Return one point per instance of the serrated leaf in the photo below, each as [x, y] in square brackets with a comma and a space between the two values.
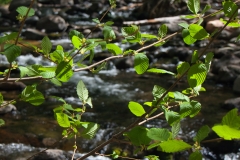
[90, 131]
[64, 71]
[171, 117]
[76, 41]
[155, 70]
[136, 108]
[141, 63]
[57, 56]
[23, 71]
[184, 25]
[56, 81]
[132, 34]
[162, 31]
[59, 99]
[8, 37]
[226, 132]
[206, 8]
[194, 57]
[208, 60]
[197, 31]
[96, 20]
[229, 8]
[31, 95]
[176, 126]
[193, 6]
[108, 33]
[182, 68]
[148, 36]
[187, 38]
[63, 120]
[158, 91]
[89, 102]
[156, 144]
[178, 96]
[2, 122]
[46, 45]
[109, 23]
[202, 134]
[172, 146]
[11, 51]
[82, 91]
[196, 156]
[75, 33]
[47, 75]
[113, 48]
[189, 109]
[190, 16]
[138, 136]
[232, 119]
[22, 10]
[158, 134]
[196, 75]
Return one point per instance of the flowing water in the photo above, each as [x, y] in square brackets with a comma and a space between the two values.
[111, 90]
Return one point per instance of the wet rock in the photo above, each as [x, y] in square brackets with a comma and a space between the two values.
[227, 68]
[10, 86]
[53, 154]
[7, 109]
[232, 103]
[124, 63]
[61, 2]
[32, 20]
[236, 85]
[33, 34]
[181, 52]
[52, 23]
[48, 142]
[16, 3]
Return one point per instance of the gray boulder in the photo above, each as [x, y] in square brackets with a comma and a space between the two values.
[7, 109]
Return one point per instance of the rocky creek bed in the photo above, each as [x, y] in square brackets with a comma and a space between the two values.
[29, 127]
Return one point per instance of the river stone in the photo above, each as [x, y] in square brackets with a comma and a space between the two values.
[16, 3]
[52, 154]
[10, 86]
[236, 85]
[232, 103]
[33, 34]
[52, 23]
[7, 109]
[61, 2]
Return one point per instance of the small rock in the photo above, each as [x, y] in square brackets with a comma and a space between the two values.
[10, 86]
[33, 34]
[232, 103]
[52, 154]
[16, 3]
[7, 109]
[48, 142]
[236, 85]
[52, 23]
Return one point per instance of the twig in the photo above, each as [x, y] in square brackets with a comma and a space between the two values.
[75, 146]
[109, 155]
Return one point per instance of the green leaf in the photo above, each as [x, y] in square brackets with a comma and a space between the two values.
[190, 16]
[229, 8]
[75, 33]
[197, 31]
[194, 57]
[23, 71]
[171, 117]
[56, 82]
[99, 68]
[141, 63]
[197, 155]
[226, 132]
[178, 96]
[187, 38]
[176, 126]
[8, 37]
[158, 134]
[11, 51]
[89, 102]
[57, 56]
[138, 136]
[63, 120]
[22, 10]
[1, 98]
[184, 25]
[189, 108]
[108, 33]
[155, 70]
[182, 68]
[64, 71]
[59, 99]
[109, 23]
[153, 145]
[162, 31]
[31, 95]
[206, 8]
[136, 108]
[202, 134]
[90, 130]
[47, 75]
[196, 75]
[2, 122]
[208, 60]
[96, 20]
[114, 49]
[82, 91]
[132, 34]
[77, 42]
[158, 91]
[148, 36]
[232, 119]
[172, 146]
[46, 45]
[193, 6]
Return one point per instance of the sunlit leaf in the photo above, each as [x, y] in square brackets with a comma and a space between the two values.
[136, 108]
[193, 6]
[11, 51]
[82, 91]
[141, 63]
[158, 134]
[172, 146]
[46, 45]
[63, 120]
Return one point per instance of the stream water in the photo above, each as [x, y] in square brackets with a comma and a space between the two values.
[28, 129]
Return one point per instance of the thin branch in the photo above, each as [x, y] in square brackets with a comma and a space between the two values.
[22, 79]
[109, 155]
[75, 146]
[213, 140]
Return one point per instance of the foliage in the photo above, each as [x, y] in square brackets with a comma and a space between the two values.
[164, 100]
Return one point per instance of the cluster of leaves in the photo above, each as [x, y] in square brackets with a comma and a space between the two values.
[70, 118]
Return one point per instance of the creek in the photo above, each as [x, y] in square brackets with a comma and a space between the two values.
[33, 127]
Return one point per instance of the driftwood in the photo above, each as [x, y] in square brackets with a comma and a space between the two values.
[155, 20]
